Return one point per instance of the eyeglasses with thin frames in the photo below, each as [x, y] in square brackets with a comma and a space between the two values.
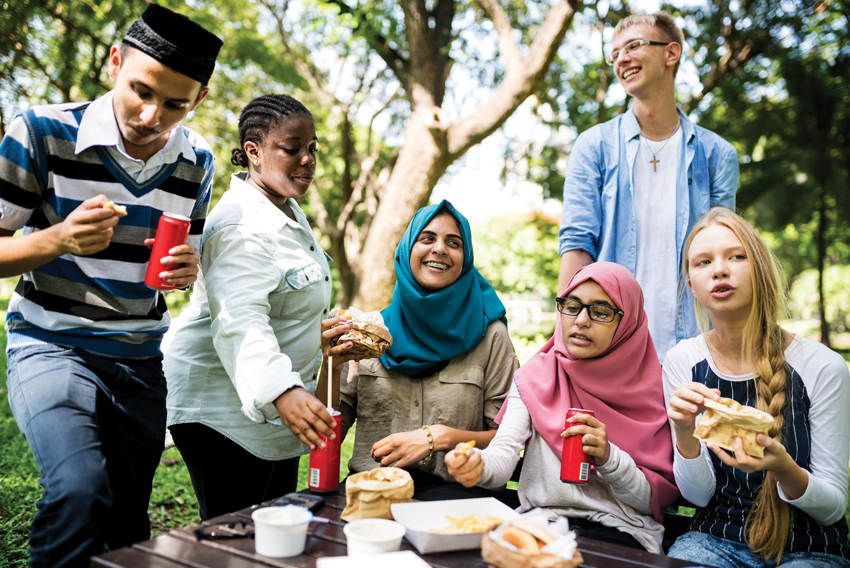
[631, 46]
[597, 312]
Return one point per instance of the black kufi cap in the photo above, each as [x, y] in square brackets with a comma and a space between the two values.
[176, 41]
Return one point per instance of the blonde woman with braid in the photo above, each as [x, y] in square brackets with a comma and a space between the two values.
[787, 507]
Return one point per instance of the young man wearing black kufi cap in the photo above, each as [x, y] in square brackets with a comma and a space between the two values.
[84, 363]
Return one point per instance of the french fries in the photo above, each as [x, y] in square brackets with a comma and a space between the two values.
[471, 524]
[466, 446]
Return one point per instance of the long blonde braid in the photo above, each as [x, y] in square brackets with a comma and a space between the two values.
[768, 523]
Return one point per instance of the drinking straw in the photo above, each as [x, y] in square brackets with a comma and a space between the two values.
[330, 381]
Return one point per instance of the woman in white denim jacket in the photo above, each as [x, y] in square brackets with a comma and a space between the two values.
[242, 360]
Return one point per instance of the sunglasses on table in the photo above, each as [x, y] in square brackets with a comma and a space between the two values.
[597, 312]
[631, 46]
[234, 529]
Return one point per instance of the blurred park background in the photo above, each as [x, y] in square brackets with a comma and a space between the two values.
[476, 101]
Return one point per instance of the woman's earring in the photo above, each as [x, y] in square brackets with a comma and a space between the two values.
[256, 162]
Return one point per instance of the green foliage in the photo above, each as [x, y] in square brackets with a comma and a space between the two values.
[177, 300]
[795, 246]
[804, 296]
[519, 255]
[527, 347]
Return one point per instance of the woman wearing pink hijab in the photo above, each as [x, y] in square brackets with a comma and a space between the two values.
[601, 358]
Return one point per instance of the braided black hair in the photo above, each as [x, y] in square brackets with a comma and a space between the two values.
[259, 117]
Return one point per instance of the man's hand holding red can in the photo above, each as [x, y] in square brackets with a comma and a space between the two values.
[188, 265]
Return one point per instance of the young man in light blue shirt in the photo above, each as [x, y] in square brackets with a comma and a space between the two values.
[636, 184]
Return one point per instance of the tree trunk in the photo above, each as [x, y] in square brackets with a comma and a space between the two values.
[346, 275]
[432, 142]
[420, 164]
[821, 243]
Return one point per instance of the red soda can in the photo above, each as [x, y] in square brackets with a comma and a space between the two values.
[575, 464]
[324, 464]
[172, 231]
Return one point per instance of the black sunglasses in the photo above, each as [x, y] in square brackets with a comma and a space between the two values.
[235, 529]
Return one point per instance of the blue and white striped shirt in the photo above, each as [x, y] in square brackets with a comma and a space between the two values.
[97, 302]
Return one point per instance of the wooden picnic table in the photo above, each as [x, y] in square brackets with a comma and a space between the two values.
[181, 549]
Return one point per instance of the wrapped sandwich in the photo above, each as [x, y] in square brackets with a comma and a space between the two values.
[368, 333]
[369, 494]
[726, 419]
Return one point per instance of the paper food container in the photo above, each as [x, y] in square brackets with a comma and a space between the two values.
[404, 559]
[420, 517]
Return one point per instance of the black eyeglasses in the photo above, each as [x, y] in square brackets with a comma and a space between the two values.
[597, 312]
[631, 46]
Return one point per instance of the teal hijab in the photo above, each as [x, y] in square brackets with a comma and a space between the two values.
[431, 328]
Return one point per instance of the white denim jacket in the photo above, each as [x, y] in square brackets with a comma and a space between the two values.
[252, 329]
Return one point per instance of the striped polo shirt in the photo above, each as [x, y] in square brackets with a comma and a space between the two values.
[816, 435]
[97, 302]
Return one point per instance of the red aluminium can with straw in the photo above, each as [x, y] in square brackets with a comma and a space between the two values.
[324, 464]
[172, 231]
[575, 464]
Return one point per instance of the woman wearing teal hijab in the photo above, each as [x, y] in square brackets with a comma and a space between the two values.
[450, 366]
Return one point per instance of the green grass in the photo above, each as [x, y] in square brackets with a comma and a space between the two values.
[19, 488]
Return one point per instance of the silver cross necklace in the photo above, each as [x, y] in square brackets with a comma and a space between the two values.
[655, 161]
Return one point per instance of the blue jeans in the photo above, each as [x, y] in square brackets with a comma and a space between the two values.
[96, 428]
[712, 550]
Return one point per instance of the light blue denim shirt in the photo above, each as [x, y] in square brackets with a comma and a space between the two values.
[599, 212]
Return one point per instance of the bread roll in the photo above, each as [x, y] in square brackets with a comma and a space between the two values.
[538, 532]
[520, 539]
[119, 210]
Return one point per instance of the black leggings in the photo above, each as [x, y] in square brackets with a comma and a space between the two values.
[226, 476]
[597, 531]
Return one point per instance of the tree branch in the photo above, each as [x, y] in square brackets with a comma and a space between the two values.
[377, 41]
[71, 25]
[444, 13]
[374, 192]
[726, 66]
[519, 83]
[357, 191]
[316, 83]
[424, 89]
[322, 218]
[374, 116]
[41, 67]
[508, 48]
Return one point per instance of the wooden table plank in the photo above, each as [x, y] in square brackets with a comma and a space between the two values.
[130, 557]
[599, 554]
[181, 549]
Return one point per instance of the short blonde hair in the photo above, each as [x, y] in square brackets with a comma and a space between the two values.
[663, 22]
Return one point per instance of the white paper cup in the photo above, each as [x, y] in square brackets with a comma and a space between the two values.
[280, 531]
[373, 536]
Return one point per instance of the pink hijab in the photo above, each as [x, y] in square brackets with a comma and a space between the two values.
[623, 386]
